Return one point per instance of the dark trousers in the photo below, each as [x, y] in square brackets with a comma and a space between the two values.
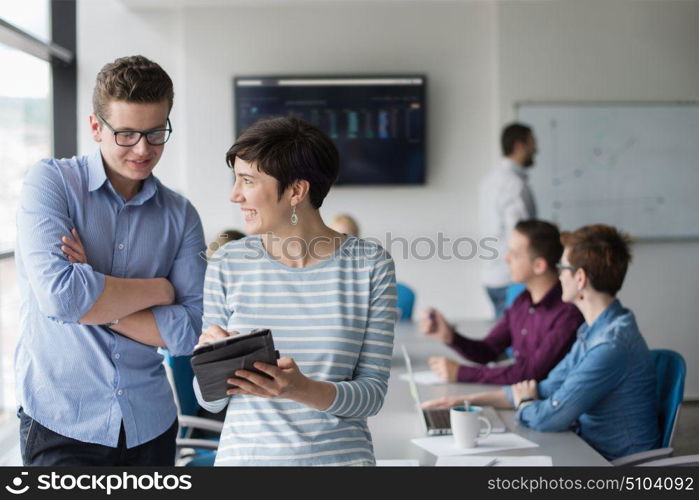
[43, 447]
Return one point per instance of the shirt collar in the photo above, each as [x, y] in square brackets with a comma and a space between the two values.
[97, 177]
[95, 169]
[547, 300]
[552, 296]
[611, 312]
[518, 169]
[148, 190]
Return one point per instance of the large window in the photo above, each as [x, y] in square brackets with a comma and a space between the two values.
[31, 58]
[25, 137]
[31, 16]
[25, 129]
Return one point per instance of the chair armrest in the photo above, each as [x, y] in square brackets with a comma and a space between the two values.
[200, 423]
[686, 460]
[197, 443]
[644, 456]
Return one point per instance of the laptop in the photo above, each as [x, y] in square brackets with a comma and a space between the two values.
[435, 421]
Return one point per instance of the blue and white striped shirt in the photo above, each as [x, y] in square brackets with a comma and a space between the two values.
[83, 381]
[336, 319]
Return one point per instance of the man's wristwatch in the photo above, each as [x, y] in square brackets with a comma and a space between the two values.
[524, 400]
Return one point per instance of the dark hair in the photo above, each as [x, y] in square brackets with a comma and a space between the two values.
[512, 134]
[603, 252]
[131, 79]
[544, 240]
[290, 149]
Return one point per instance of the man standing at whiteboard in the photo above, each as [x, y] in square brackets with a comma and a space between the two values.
[505, 198]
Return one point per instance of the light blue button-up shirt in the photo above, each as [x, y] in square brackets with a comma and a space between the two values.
[605, 387]
[83, 381]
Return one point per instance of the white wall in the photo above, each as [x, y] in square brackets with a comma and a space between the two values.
[480, 58]
[459, 61]
[204, 48]
[106, 29]
[628, 51]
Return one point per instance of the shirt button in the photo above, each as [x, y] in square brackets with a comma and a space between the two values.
[524, 331]
[121, 246]
[554, 403]
[532, 310]
[117, 356]
[120, 392]
[516, 353]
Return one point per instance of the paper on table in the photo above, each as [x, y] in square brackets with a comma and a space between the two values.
[425, 377]
[463, 461]
[444, 446]
[479, 461]
[397, 463]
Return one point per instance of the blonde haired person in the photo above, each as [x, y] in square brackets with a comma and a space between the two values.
[223, 237]
[345, 224]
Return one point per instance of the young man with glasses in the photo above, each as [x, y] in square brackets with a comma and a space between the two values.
[109, 269]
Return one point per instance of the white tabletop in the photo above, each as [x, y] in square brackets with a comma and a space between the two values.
[398, 422]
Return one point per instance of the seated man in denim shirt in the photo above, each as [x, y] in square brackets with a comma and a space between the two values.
[605, 387]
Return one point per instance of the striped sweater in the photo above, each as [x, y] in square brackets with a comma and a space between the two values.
[336, 319]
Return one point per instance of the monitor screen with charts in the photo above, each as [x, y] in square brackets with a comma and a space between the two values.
[377, 123]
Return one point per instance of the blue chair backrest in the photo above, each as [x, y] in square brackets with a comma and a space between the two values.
[513, 291]
[406, 300]
[670, 371]
[183, 375]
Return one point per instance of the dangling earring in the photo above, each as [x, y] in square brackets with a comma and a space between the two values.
[294, 217]
[581, 296]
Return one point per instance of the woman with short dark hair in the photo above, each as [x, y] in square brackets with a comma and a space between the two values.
[329, 299]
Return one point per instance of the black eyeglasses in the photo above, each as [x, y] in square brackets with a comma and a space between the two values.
[560, 268]
[127, 138]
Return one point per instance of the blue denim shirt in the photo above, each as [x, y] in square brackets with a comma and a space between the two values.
[83, 381]
[605, 387]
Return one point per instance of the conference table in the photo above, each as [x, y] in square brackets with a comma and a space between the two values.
[398, 421]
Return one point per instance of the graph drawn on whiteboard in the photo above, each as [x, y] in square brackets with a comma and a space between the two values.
[635, 166]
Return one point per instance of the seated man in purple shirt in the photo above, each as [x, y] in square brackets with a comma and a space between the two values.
[538, 326]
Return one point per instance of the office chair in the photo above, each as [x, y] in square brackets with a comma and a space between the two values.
[670, 370]
[191, 452]
[513, 291]
[406, 301]
[685, 460]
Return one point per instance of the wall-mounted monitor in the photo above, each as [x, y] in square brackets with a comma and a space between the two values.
[377, 123]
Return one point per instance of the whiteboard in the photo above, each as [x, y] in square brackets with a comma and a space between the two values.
[630, 165]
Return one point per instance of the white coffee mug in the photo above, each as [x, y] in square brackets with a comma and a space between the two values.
[466, 426]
